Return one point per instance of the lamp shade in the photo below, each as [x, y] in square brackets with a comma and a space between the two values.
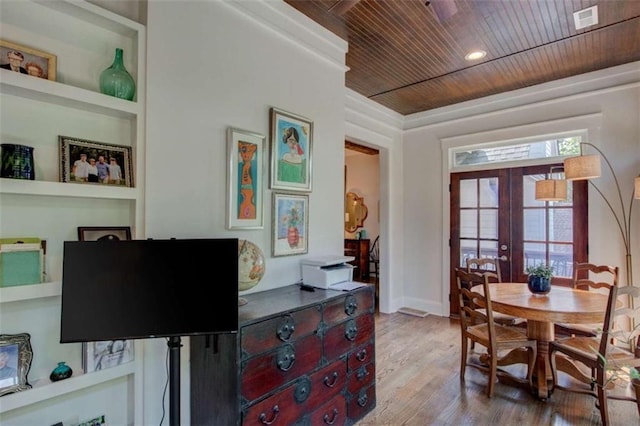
[551, 190]
[636, 193]
[582, 167]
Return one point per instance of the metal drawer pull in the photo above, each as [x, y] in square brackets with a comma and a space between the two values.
[286, 357]
[362, 373]
[362, 399]
[263, 417]
[351, 330]
[335, 380]
[335, 417]
[362, 355]
[285, 329]
[350, 305]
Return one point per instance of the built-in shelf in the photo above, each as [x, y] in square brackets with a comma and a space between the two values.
[66, 189]
[30, 291]
[45, 389]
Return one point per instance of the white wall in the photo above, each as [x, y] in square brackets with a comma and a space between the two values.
[606, 103]
[212, 65]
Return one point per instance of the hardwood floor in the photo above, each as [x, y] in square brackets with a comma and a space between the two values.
[418, 370]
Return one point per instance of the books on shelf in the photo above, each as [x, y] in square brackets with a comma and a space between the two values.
[22, 261]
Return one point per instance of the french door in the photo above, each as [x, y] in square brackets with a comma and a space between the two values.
[494, 213]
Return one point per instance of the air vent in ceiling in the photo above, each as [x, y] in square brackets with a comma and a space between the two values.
[586, 17]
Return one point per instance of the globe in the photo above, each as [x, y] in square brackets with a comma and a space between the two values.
[251, 266]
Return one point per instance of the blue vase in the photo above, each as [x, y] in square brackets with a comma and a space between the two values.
[61, 372]
[539, 285]
[116, 80]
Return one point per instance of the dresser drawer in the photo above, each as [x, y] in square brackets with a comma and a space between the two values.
[265, 335]
[344, 337]
[361, 403]
[349, 306]
[283, 408]
[360, 356]
[361, 378]
[333, 412]
[327, 383]
[275, 368]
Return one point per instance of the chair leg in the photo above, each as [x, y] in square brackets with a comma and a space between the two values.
[463, 357]
[493, 368]
[554, 371]
[532, 364]
[602, 396]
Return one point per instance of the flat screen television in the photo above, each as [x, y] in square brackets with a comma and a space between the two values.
[137, 289]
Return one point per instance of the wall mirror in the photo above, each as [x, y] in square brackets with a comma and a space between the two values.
[355, 212]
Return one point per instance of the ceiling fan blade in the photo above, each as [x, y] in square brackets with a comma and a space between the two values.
[443, 9]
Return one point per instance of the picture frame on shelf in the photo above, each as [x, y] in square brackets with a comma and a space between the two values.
[100, 233]
[291, 151]
[245, 179]
[26, 60]
[290, 230]
[98, 356]
[15, 362]
[99, 163]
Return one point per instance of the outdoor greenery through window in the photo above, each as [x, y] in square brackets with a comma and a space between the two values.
[557, 147]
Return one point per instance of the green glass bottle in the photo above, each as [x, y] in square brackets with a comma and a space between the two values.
[116, 80]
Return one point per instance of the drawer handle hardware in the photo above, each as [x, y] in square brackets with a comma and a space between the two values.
[362, 373]
[351, 330]
[331, 421]
[335, 380]
[286, 357]
[350, 305]
[362, 355]
[263, 417]
[362, 399]
[286, 327]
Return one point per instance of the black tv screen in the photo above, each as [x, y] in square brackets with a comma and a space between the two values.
[135, 289]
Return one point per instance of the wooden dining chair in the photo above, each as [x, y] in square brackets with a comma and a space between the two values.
[603, 276]
[605, 354]
[477, 325]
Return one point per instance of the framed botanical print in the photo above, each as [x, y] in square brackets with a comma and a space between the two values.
[291, 149]
[290, 233]
[246, 151]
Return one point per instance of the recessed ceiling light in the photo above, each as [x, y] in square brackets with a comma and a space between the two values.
[475, 55]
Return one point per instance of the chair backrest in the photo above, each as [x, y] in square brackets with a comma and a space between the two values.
[374, 251]
[475, 306]
[486, 265]
[624, 328]
[582, 279]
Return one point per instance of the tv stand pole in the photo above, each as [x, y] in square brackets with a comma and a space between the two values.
[174, 345]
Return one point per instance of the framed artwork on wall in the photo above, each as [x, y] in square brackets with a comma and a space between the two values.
[15, 362]
[291, 151]
[106, 354]
[25, 60]
[290, 231]
[100, 233]
[245, 179]
[85, 161]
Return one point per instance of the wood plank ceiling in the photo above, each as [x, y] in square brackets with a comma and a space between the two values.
[407, 58]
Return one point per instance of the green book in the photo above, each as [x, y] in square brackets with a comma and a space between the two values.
[20, 267]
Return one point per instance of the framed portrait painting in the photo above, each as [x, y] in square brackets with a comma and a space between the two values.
[291, 151]
[15, 362]
[290, 233]
[246, 152]
[85, 161]
[25, 60]
[102, 233]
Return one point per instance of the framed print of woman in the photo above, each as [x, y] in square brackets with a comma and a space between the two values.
[291, 147]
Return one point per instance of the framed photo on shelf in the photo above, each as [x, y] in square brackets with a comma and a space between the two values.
[290, 233]
[291, 149]
[99, 233]
[246, 151]
[15, 362]
[85, 161]
[106, 354]
[25, 60]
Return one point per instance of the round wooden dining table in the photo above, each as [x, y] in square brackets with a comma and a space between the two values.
[560, 305]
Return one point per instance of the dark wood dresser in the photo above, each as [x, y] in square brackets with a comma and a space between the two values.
[299, 358]
[359, 249]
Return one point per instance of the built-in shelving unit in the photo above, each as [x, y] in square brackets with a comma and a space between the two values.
[35, 112]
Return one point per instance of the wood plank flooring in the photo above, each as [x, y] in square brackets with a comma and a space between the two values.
[418, 383]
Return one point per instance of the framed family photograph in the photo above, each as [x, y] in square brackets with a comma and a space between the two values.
[106, 354]
[246, 151]
[25, 60]
[15, 362]
[102, 233]
[85, 161]
[291, 149]
[290, 224]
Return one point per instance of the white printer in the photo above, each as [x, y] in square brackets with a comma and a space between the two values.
[326, 271]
